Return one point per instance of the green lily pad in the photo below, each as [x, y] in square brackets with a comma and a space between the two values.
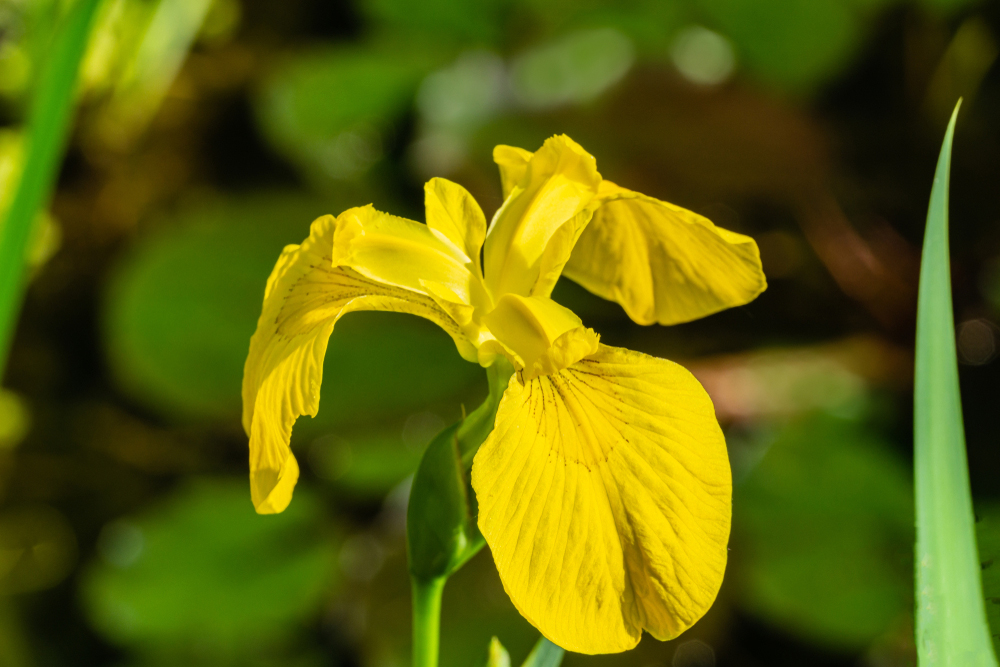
[790, 43]
[572, 70]
[182, 305]
[648, 23]
[201, 573]
[465, 22]
[331, 111]
[824, 534]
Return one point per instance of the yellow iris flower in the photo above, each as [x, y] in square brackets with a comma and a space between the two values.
[604, 489]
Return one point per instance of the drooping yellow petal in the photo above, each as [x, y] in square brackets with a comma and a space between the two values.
[305, 296]
[451, 210]
[605, 495]
[400, 252]
[559, 183]
[661, 262]
[545, 336]
[513, 162]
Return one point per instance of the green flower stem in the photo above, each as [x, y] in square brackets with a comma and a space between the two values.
[427, 620]
[427, 590]
[48, 124]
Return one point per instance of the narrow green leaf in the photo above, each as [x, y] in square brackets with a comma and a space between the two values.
[951, 627]
[545, 654]
[48, 124]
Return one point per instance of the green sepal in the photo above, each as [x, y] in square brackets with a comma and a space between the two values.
[441, 529]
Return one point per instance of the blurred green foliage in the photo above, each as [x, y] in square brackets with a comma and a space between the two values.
[575, 69]
[200, 580]
[460, 23]
[331, 110]
[824, 524]
[37, 549]
[371, 461]
[988, 542]
[789, 42]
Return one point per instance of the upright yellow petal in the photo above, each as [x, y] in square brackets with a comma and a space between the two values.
[558, 184]
[545, 336]
[513, 162]
[400, 252]
[661, 262]
[451, 210]
[305, 296]
[558, 252]
[605, 495]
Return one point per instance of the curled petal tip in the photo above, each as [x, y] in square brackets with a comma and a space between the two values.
[271, 489]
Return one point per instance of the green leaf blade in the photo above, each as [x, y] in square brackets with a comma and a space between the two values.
[951, 624]
[48, 124]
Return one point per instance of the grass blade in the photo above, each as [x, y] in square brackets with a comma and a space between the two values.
[48, 124]
[138, 94]
[951, 625]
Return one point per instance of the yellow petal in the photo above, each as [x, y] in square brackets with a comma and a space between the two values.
[558, 252]
[661, 262]
[605, 496]
[545, 336]
[559, 182]
[513, 162]
[400, 252]
[305, 296]
[449, 302]
[452, 211]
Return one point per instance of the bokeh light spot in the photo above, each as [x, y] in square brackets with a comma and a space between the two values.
[15, 419]
[977, 343]
[361, 557]
[575, 69]
[703, 56]
[694, 653]
[120, 544]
